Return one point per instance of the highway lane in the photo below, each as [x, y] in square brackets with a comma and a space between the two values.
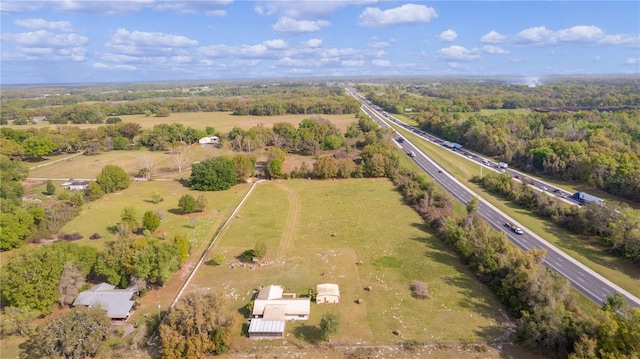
[585, 280]
[542, 186]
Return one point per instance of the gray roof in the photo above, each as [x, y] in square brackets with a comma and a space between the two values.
[266, 326]
[117, 302]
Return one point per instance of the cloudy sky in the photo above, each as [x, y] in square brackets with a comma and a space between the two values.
[72, 41]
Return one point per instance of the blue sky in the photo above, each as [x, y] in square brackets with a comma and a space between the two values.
[75, 41]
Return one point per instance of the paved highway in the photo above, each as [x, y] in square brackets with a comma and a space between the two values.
[482, 161]
[585, 280]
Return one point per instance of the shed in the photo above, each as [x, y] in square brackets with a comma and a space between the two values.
[266, 329]
[209, 140]
[328, 293]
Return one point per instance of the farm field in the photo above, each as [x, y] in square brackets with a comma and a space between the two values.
[616, 269]
[318, 231]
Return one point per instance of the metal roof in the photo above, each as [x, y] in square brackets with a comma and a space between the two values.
[266, 326]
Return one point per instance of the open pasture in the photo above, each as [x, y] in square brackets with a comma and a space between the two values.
[223, 122]
[358, 234]
[103, 215]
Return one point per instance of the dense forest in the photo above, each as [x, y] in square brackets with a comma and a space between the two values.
[598, 146]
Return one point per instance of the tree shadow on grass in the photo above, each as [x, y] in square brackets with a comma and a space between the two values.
[308, 333]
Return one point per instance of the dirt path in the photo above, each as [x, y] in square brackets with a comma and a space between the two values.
[292, 219]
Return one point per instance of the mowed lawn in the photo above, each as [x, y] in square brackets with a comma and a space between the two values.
[320, 231]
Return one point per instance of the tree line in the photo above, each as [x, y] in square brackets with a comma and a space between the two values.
[617, 228]
[548, 320]
[263, 102]
[601, 149]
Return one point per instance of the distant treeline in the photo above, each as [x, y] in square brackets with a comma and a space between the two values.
[96, 107]
[598, 148]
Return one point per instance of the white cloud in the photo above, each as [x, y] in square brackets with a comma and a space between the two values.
[577, 35]
[101, 66]
[40, 24]
[620, 39]
[275, 44]
[632, 60]
[379, 44]
[43, 38]
[209, 7]
[407, 14]
[287, 25]
[243, 51]
[495, 50]
[458, 53]
[103, 7]
[137, 39]
[493, 37]
[304, 9]
[448, 35]
[381, 63]
[313, 43]
[352, 63]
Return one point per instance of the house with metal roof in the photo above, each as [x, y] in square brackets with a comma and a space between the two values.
[273, 304]
[117, 302]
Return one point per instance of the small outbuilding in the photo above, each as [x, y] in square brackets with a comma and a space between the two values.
[209, 140]
[76, 185]
[266, 329]
[328, 293]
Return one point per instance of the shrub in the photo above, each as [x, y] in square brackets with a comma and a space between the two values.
[95, 236]
[419, 290]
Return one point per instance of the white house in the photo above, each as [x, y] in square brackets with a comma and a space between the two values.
[76, 185]
[272, 304]
[210, 140]
[328, 293]
[117, 302]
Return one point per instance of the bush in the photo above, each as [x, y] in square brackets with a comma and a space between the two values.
[420, 290]
[218, 259]
[70, 236]
[215, 174]
[95, 236]
[187, 204]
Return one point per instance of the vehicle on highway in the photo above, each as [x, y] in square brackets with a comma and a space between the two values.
[400, 139]
[514, 228]
[412, 154]
[543, 187]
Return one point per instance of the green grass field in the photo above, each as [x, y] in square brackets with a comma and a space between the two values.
[317, 231]
[616, 269]
[101, 215]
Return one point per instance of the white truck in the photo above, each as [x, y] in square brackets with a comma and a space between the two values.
[503, 165]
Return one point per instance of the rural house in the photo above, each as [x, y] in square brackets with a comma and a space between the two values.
[327, 293]
[273, 304]
[76, 185]
[117, 302]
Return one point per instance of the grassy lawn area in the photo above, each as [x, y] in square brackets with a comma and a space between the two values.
[616, 269]
[100, 216]
[316, 232]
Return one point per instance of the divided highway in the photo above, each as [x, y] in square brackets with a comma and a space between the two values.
[585, 280]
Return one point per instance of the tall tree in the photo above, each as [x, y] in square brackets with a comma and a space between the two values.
[113, 178]
[38, 146]
[179, 152]
[215, 174]
[196, 326]
[77, 334]
[71, 279]
[329, 325]
[150, 221]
